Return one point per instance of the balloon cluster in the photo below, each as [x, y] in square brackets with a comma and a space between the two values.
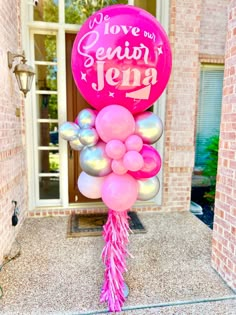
[121, 63]
[118, 162]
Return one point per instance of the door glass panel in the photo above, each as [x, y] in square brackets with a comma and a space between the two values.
[47, 106]
[49, 187]
[45, 47]
[46, 10]
[46, 78]
[48, 134]
[77, 11]
[48, 161]
[149, 5]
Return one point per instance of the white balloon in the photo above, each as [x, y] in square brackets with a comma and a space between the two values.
[90, 186]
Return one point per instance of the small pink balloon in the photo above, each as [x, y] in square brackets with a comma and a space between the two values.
[134, 143]
[133, 161]
[118, 167]
[152, 163]
[115, 149]
[119, 192]
[114, 122]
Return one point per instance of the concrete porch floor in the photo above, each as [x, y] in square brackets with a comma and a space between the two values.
[169, 274]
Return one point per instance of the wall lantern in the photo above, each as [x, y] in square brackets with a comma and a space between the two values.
[23, 72]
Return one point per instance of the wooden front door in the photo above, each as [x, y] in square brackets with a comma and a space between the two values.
[75, 103]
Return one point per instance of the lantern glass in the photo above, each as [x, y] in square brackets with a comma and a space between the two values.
[24, 76]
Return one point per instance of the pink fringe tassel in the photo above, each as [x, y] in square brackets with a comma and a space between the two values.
[116, 236]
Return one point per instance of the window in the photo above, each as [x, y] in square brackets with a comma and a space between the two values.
[209, 109]
[45, 56]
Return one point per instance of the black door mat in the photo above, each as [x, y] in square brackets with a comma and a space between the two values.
[91, 224]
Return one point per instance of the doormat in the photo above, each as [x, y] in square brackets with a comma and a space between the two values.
[91, 224]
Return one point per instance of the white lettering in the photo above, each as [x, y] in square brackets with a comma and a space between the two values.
[90, 60]
[134, 81]
[135, 31]
[151, 36]
[112, 73]
[100, 77]
[116, 29]
[128, 77]
[121, 53]
[98, 19]
[151, 76]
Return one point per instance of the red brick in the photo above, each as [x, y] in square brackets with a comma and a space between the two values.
[12, 129]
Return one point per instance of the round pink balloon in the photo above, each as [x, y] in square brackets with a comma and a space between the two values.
[118, 167]
[133, 161]
[121, 55]
[119, 192]
[152, 163]
[114, 122]
[115, 149]
[134, 143]
[90, 186]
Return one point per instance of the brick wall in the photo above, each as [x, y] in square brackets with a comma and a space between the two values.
[224, 234]
[13, 184]
[181, 104]
[213, 27]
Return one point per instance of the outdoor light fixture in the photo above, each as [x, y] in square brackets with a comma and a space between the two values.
[24, 73]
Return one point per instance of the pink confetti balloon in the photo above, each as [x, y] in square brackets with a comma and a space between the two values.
[133, 161]
[114, 122]
[115, 149]
[152, 163]
[118, 167]
[119, 192]
[134, 143]
[121, 55]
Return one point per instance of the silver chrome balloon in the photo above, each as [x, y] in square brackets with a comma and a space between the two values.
[69, 131]
[76, 144]
[88, 136]
[86, 118]
[148, 189]
[149, 127]
[94, 161]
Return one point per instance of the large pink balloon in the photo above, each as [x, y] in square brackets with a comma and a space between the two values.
[121, 55]
[114, 122]
[119, 192]
[90, 186]
[152, 163]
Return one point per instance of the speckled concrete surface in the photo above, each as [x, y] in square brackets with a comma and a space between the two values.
[56, 275]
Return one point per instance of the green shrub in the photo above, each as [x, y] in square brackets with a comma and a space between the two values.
[210, 169]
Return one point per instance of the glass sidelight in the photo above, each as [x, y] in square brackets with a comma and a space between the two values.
[46, 87]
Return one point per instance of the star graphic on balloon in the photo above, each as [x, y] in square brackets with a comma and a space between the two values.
[111, 94]
[83, 76]
[160, 50]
